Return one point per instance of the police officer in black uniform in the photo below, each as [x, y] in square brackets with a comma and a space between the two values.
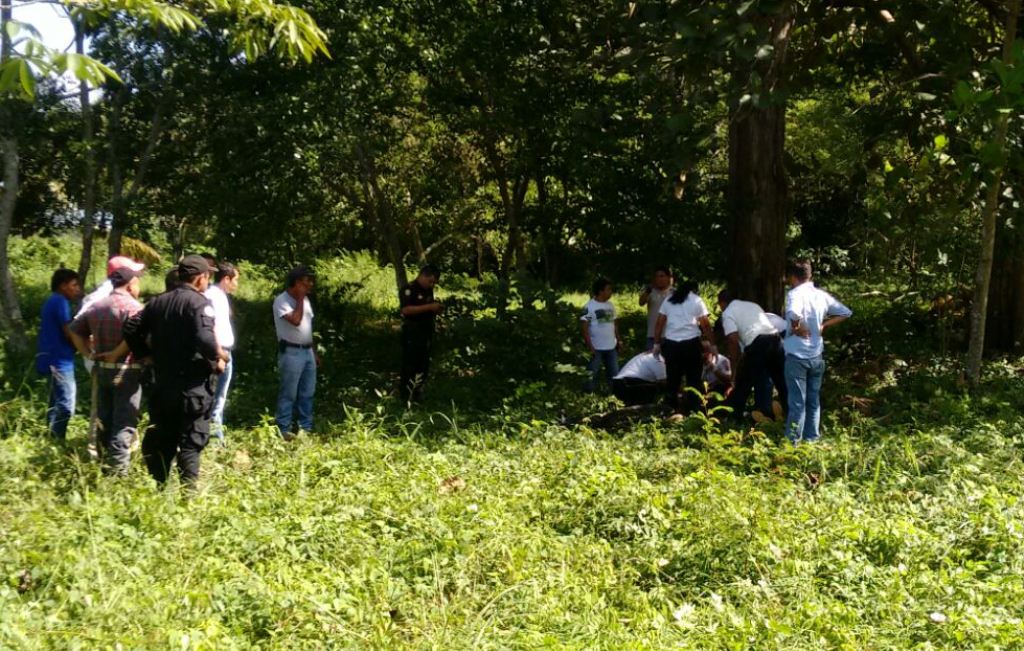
[176, 329]
[418, 311]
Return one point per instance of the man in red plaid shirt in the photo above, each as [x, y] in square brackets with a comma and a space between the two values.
[119, 380]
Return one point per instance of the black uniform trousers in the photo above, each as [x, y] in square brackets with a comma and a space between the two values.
[683, 359]
[634, 391]
[416, 344]
[180, 428]
[763, 365]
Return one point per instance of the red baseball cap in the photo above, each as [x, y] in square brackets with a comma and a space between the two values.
[120, 261]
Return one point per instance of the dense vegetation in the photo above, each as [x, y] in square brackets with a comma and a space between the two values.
[526, 147]
[492, 517]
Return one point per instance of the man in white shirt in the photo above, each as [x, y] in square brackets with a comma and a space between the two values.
[750, 331]
[296, 359]
[641, 380]
[653, 296]
[809, 312]
[225, 282]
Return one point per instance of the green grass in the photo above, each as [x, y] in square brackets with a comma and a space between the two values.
[903, 530]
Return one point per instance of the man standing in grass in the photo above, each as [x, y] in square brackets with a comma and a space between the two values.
[225, 283]
[118, 379]
[176, 328]
[419, 310]
[56, 353]
[601, 333]
[296, 359]
[809, 312]
[653, 296]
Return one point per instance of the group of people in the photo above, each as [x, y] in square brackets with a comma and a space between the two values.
[176, 353]
[766, 353]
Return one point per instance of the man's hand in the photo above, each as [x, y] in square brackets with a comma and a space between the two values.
[437, 307]
[801, 330]
[221, 365]
[656, 351]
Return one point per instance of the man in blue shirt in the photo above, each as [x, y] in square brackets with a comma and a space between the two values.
[809, 312]
[56, 356]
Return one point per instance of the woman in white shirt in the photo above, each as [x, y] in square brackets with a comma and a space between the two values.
[682, 319]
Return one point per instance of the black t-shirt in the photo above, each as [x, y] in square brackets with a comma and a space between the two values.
[176, 327]
[413, 295]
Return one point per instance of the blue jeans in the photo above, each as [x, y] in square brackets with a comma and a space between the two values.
[610, 360]
[61, 404]
[298, 383]
[803, 379]
[220, 397]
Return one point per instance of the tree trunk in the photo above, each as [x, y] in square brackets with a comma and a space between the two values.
[89, 181]
[758, 189]
[10, 310]
[983, 273]
[384, 213]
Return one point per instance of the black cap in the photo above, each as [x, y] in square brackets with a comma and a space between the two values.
[192, 265]
[123, 276]
[298, 273]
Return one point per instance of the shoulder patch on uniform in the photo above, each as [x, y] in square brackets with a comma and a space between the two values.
[208, 311]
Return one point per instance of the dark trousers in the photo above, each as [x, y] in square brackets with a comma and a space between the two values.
[634, 391]
[683, 360]
[180, 428]
[763, 365]
[118, 398]
[416, 344]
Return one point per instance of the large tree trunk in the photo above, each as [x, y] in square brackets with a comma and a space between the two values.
[383, 211]
[1005, 327]
[10, 311]
[89, 181]
[758, 189]
[983, 273]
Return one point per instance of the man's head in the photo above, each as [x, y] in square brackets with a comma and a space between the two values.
[226, 277]
[662, 278]
[710, 352]
[601, 289]
[193, 270]
[171, 281]
[65, 282]
[725, 297]
[120, 261]
[428, 276]
[798, 272]
[300, 280]
[128, 280]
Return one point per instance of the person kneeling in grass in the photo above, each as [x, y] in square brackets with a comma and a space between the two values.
[56, 353]
[640, 381]
[601, 333]
[809, 312]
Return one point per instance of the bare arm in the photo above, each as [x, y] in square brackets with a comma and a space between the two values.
[833, 320]
[295, 316]
[705, 327]
[413, 310]
[645, 296]
[659, 328]
[586, 336]
[732, 344]
[81, 345]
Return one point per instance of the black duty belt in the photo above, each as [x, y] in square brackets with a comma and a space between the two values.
[288, 344]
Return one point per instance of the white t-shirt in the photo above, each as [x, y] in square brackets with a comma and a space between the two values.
[721, 365]
[301, 334]
[644, 366]
[747, 320]
[600, 319]
[105, 289]
[778, 322]
[682, 319]
[222, 316]
[657, 297]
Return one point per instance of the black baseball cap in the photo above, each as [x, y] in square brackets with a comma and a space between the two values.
[193, 265]
[298, 273]
[123, 276]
